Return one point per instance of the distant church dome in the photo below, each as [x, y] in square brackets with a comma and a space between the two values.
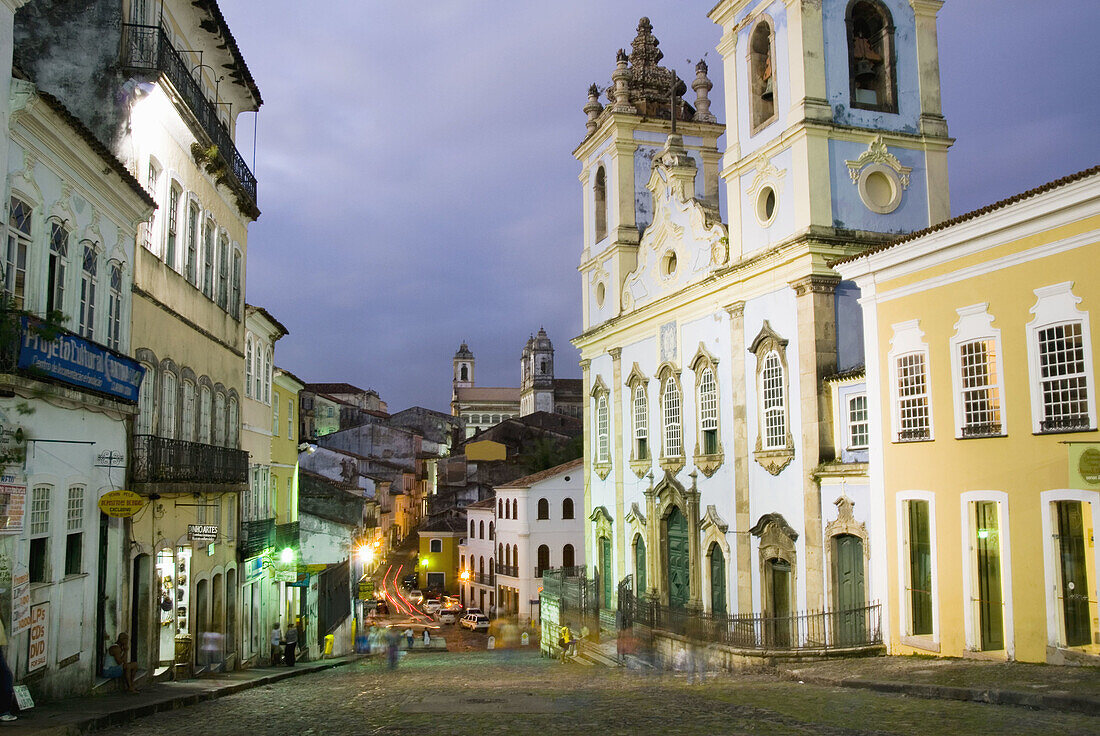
[464, 352]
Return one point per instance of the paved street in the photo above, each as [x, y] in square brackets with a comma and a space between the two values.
[517, 692]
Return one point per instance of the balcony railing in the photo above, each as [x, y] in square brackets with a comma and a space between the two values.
[1065, 423]
[162, 460]
[510, 570]
[148, 48]
[256, 536]
[982, 429]
[914, 435]
[286, 535]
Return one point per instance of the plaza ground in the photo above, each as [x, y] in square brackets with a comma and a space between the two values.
[516, 692]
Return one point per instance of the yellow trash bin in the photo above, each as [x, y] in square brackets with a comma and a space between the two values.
[329, 639]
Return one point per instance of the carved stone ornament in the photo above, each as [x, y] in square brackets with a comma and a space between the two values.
[601, 521]
[766, 173]
[774, 461]
[711, 518]
[877, 153]
[635, 517]
[845, 523]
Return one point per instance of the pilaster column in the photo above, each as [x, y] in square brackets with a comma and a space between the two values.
[652, 538]
[816, 307]
[928, 65]
[586, 428]
[618, 459]
[740, 434]
[695, 545]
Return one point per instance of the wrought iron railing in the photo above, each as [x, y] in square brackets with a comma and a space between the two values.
[982, 429]
[162, 460]
[287, 535]
[149, 48]
[510, 570]
[483, 578]
[1065, 423]
[256, 536]
[914, 435]
[809, 630]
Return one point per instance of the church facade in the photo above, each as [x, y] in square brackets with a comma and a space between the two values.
[725, 465]
[481, 407]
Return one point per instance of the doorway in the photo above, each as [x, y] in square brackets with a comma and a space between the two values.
[778, 574]
[987, 546]
[850, 591]
[678, 562]
[1074, 584]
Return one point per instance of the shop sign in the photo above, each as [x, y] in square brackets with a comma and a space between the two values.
[13, 442]
[285, 576]
[20, 600]
[36, 654]
[301, 582]
[1084, 465]
[13, 504]
[79, 362]
[366, 590]
[253, 568]
[120, 504]
[202, 532]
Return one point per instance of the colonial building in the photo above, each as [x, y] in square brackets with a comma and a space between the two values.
[538, 527]
[476, 557]
[66, 393]
[984, 449]
[162, 84]
[481, 407]
[706, 340]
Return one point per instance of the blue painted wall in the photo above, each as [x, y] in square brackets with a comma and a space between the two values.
[850, 212]
[849, 327]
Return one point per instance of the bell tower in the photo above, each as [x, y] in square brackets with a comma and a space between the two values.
[463, 366]
[537, 379]
[616, 157]
[835, 127]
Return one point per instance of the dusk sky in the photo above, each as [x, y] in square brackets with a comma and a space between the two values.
[417, 183]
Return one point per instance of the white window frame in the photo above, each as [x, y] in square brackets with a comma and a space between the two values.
[603, 429]
[114, 306]
[146, 401]
[171, 226]
[672, 418]
[275, 414]
[971, 623]
[219, 419]
[1054, 305]
[708, 408]
[850, 423]
[290, 418]
[249, 366]
[976, 324]
[187, 394]
[908, 340]
[20, 241]
[776, 407]
[233, 429]
[167, 426]
[58, 262]
[205, 410]
[88, 282]
[922, 641]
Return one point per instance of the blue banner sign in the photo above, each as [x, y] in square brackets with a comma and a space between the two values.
[74, 360]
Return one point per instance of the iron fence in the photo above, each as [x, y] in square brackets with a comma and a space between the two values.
[576, 597]
[163, 460]
[808, 630]
[149, 48]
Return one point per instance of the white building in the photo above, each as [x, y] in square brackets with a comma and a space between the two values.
[72, 214]
[476, 564]
[539, 526]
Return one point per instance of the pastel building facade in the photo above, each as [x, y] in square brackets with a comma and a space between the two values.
[981, 384]
[714, 349]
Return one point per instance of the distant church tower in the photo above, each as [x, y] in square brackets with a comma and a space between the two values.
[537, 375]
[463, 373]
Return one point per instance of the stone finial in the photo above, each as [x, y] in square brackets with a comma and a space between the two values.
[620, 99]
[593, 108]
[702, 86]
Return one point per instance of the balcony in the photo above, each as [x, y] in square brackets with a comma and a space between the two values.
[511, 571]
[256, 536]
[148, 48]
[287, 535]
[162, 460]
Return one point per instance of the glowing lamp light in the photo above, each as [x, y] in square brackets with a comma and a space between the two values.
[424, 562]
[366, 554]
[464, 576]
[287, 556]
[983, 534]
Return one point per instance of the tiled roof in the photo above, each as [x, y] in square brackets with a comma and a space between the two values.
[269, 317]
[854, 372]
[530, 480]
[336, 388]
[474, 393]
[485, 503]
[1041, 189]
[211, 6]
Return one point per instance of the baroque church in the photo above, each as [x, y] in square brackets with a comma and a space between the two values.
[481, 407]
[725, 408]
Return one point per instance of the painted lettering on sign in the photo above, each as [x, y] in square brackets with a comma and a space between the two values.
[39, 636]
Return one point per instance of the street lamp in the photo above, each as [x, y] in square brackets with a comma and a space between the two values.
[287, 555]
[464, 576]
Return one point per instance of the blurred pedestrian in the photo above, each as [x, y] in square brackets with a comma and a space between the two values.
[276, 644]
[118, 663]
[409, 636]
[565, 640]
[7, 688]
[291, 645]
[392, 645]
[427, 638]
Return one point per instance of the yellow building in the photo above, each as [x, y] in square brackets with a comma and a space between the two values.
[981, 386]
[284, 478]
[438, 563]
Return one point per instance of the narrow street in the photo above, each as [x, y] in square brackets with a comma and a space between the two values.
[517, 692]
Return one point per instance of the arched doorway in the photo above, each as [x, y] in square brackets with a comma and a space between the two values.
[216, 640]
[639, 565]
[230, 611]
[606, 577]
[777, 579]
[678, 561]
[202, 620]
[717, 563]
[850, 592]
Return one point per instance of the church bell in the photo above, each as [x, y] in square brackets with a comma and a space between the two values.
[769, 91]
[865, 73]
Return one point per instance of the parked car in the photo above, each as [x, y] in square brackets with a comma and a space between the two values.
[475, 622]
[474, 609]
[432, 606]
[409, 581]
[416, 596]
[447, 615]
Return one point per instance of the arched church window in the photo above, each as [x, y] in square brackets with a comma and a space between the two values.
[762, 75]
[464, 373]
[871, 56]
[600, 191]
